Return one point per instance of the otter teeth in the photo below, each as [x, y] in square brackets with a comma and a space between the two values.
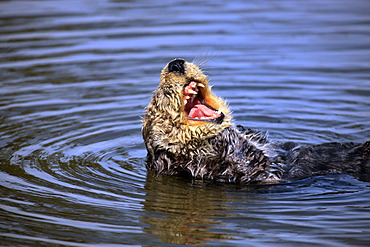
[200, 84]
[191, 91]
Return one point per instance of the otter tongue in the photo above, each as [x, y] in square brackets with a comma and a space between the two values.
[199, 111]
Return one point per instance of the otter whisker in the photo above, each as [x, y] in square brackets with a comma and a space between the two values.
[205, 56]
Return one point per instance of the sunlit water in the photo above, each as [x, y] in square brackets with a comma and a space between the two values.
[77, 75]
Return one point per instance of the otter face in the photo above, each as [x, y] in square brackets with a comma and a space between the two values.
[183, 111]
[198, 104]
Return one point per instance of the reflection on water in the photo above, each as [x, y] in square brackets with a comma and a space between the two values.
[186, 214]
[75, 79]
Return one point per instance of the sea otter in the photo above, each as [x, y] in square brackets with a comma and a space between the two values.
[188, 131]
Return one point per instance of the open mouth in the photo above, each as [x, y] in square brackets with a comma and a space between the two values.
[195, 105]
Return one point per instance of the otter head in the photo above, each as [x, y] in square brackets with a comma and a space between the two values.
[183, 111]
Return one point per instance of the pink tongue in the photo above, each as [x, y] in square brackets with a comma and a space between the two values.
[201, 111]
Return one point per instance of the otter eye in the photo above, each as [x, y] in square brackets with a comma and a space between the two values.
[177, 65]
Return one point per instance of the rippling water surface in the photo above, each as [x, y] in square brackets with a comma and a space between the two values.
[76, 76]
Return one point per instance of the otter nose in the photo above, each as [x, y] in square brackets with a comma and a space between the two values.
[177, 65]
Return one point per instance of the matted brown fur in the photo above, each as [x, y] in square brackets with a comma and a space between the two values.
[218, 150]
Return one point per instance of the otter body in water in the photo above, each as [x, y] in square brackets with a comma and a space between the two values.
[188, 131]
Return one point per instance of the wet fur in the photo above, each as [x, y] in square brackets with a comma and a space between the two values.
[228, 153]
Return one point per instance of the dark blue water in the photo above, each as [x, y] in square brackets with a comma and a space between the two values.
[75, 78]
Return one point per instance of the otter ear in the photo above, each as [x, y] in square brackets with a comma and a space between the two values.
[177, 66]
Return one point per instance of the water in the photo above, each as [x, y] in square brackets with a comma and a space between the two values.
[77, 75]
